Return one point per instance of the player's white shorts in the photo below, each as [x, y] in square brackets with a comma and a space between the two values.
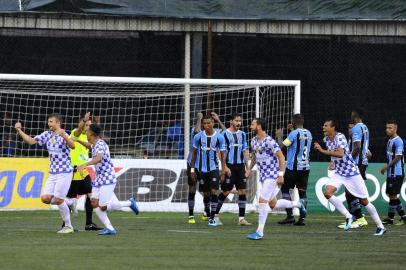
[58, 185]
[103, 193]
[354, 184]
[269, 189]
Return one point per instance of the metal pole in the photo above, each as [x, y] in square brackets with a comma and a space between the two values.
[209, 64]
[297, 98]
[187, 95]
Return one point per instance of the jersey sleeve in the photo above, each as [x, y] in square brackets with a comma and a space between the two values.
[196, 139]
[356, 133]
[341, 141]
[42, 138]
[244, 142]
[98, 149]
[273, 146]
[399, 147]
[222, 142]
[290, 139]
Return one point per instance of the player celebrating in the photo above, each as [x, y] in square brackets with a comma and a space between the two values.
[271, 164]
[298, 145]
[190, 180]
[82, 183]
[57, 185]
[209, 142]
[103, 197]
[395, 173]
[347, 174]
[236, 159]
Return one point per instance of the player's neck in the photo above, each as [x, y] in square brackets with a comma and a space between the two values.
[209, 132]
[332, 135]
[232, 129]
[357, 121]
[394, 136]
[299, 127]
[261, 135]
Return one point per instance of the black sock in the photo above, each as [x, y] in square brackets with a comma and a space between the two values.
[191, 203]
[392, 208]
[303, 197]
[213, 205]
[206, 202]
[242, 202]
[89, 210]
[221, 199]
[289, 211]
[399, 208]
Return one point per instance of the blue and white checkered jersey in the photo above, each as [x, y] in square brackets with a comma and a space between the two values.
[360, 133]
[236, 144]
[299, 143]
[208, 147]
[265, 154]
[105, 174]
[395, 148]
[345, 166]
[59, 152]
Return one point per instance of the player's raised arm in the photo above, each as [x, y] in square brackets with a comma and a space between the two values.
[69, 142]
[198, 125]
[338, 153]
[26, 138]
[81, 125]
[217, 119]
[85, 144]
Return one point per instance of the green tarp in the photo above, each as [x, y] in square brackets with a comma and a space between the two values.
[223, 9]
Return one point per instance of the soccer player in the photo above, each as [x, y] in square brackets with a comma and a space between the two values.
[395, 173]
[271, 165]
[190, 180]
[103, 197]
[209, 141]
[347, 174]
[57, 185]
[82, 183]
[298, 143]
[237, 155]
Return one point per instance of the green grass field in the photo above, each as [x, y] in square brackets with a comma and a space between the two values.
[28, 240]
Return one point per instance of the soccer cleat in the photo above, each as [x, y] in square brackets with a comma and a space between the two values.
[300, 222]
[302, 209]
[287, 220]
[244, 222]
[73, 207]
[401, 222]
[348, 223]
[107, 232]
[218, 221]
[212, 222]
[191, 220]
[65, 230]
[205, 217]
[380, 231]
[388, 221]
[361, 222]
[255, 236]
[134, 206]
[92, 227]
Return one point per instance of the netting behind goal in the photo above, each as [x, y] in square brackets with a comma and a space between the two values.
[143, 122]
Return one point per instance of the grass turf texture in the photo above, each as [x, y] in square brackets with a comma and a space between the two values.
[28, 240]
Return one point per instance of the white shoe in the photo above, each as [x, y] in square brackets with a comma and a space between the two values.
[65, 230]
[218, 221]
[244, 222]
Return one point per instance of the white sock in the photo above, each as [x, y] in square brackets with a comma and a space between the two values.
[263, 214]
[104, 218]
[374, 215]
[340, 206]
[69, 201]
[283, 204]
[115, 204]
[53, 201]
[65, 214]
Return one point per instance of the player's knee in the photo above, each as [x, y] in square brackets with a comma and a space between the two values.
[103, 208]
[262, 200]
[242, 192]
[327, 194]
[94, 203]
[46, 199]
[364, 201]
[272, 203]
[59, 201]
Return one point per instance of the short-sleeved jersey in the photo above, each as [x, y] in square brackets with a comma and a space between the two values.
[236, 144]
[79, 155]
[345, 166]
[299, 143]
[360, 133]
[395, 148]
[189, 158]
[208, 146]
[265, 154]
[105, 174]
[59, 152]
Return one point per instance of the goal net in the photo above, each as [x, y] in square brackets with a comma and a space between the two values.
[145, 121]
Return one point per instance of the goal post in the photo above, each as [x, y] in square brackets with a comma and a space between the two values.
[146, 122]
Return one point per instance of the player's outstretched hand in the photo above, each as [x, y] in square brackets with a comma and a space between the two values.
[317, 146]
[87, 116]
[81, 168]
[60, 132]
[383, 170]
[199, 116]
[280, 180]
[215, 116]
[279, 133]
[18, 125]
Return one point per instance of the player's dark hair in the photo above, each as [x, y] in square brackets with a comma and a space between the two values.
[57, 116]
[392, 122]
[261, 122]
[96, 129]
[298, 119]
[234, 115]
[207, 117]
[358, 113]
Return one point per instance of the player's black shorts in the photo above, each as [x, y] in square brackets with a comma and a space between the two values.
[237, 178]
[80, 187]
[362, 170]
[394, 184]
[209, 181]
[190, 180]
[295, 178]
